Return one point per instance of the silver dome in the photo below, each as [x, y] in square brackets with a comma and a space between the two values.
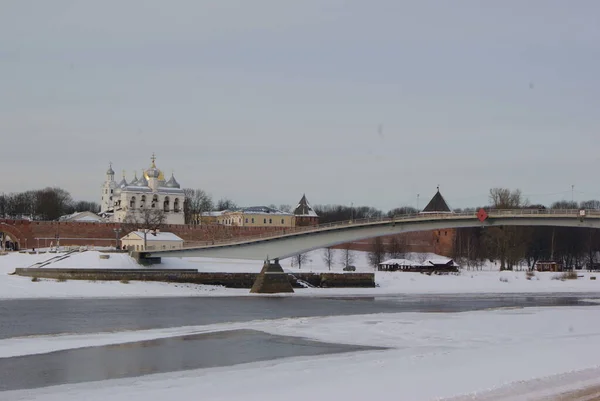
[172, 183]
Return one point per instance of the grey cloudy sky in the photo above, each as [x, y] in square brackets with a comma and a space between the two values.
[368, 102]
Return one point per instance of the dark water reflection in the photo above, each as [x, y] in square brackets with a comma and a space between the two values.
[155, 356]
[55, 316]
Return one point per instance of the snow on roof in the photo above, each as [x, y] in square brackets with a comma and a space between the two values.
[443, 261]
[213, 214]
[263, 210]
[427, 262]
[401, 262]
[304, 209]
[81, 216]
[159, 236]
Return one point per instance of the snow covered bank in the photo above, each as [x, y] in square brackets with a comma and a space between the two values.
[389, 283]
[433, 356]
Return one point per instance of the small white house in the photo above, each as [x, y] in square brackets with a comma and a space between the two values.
[151, 241]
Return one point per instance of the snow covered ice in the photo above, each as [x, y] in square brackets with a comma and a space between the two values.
[506, 354]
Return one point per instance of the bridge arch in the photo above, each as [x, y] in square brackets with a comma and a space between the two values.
[15, 234]
[287, 244]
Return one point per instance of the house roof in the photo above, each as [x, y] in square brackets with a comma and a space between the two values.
[304, 208]
[437, 204]
[263, 210]
[159, 236]
[428, 262]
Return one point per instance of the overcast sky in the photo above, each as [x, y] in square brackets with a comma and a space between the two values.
[370, 102]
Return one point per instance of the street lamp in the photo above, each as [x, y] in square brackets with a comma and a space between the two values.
[117, 231]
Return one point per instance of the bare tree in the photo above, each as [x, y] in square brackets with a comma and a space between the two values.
[225, 204]
[348, 257]
[328, 257]
[285, 208]
[146, 220]
[377, 252]
[590, 204]
[396, 247]
[509, 243]
[299, 259]
[197, 201]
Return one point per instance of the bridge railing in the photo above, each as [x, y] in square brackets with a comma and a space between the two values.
[395, 219]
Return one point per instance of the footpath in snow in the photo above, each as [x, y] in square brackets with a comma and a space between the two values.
[521, 354]
[388, 283]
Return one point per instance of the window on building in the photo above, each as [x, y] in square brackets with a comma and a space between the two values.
[143, 201]
[132, 203]
[246, 220]
[270, 221]
[282, 221]
[166, 205]
[253, 220]
[154, 201]
[176, 205]
[111, 191]
[264, 221]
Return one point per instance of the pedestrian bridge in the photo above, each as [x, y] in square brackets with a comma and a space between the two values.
[293, 241]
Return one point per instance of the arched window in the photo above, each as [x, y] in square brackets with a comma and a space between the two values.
[166, 204]
[132, 202]
[154, 201]
[270, 221]
[176, 205]
[143, 202]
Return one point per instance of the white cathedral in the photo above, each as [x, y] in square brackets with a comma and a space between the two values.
[123, 199]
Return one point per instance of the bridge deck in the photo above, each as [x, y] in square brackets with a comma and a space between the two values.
[346, 231]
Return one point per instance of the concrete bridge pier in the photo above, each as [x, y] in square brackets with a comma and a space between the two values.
[271, 279]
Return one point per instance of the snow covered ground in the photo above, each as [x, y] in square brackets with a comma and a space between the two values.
[511, 354]
[389, 283]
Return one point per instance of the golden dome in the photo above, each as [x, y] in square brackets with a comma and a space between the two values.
[161, 175]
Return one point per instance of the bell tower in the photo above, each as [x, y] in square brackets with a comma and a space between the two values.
[107, 190]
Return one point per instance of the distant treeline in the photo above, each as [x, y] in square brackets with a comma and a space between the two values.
[42, 204]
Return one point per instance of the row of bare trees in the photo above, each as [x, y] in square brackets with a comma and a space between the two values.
[514, 246]
[42, 204]
[394, 247]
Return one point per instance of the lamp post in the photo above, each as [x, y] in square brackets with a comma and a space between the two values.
[117, 231]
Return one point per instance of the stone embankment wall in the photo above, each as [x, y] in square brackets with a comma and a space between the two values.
[230, 280]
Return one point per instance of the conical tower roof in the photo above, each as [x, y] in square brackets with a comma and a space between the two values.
[304, 208]
[437, 204]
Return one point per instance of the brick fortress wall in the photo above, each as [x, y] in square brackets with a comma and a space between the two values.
[32, 234]
[436, 241]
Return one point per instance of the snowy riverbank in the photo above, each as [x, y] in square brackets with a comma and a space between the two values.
[388, 283]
